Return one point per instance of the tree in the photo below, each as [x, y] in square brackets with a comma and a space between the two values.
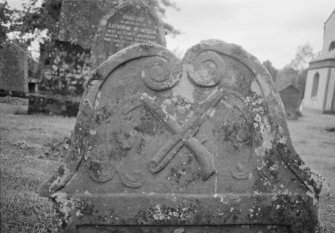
[288, 73]
[302, 57]
[35, 19]
[160, 6]
[6, 18]
[273, 71]
[297, 68]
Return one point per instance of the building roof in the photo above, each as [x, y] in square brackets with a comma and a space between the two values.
[284, 81]
[329, 17]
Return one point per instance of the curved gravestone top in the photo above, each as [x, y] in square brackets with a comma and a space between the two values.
[198, 145]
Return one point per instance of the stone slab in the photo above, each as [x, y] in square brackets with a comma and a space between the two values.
[193, 145]
[13, 69]
[128, 23]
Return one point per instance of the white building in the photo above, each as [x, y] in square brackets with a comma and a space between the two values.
[320, 82]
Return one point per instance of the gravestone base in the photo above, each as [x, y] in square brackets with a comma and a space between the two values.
[53, 105]
[188, 213]
[13, 105]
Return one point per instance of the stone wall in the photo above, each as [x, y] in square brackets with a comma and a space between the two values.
[53, 105]
[65, 67]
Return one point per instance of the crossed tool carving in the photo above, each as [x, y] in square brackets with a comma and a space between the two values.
[183, 136]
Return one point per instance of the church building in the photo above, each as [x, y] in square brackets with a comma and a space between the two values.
[320, 82]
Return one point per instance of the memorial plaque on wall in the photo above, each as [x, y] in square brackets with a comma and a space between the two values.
[132, 22]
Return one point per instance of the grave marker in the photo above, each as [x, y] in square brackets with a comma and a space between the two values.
[13, 79]
[129, 23]
[13, 69]
[290, 95]
[198, 145]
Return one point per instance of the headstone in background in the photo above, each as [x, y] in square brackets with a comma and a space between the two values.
[290, 96]
[198, 145]
[98, 29]
[129, 23]
[13, 69]
[13, 79]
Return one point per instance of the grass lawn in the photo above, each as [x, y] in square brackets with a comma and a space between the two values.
[316, 146]
[31, 148]
[28, 154]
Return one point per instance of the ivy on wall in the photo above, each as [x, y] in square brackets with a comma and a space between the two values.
[65, 68]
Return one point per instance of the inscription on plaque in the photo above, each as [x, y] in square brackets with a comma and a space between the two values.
[130, 29]
[129, 24]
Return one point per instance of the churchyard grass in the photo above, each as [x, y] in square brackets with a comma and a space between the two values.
[31, 149]
[316, 146]
[28, 156]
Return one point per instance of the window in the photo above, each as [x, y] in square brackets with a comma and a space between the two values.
[332, 45]
[315, 84]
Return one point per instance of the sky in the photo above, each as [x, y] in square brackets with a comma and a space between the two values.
[269, 29]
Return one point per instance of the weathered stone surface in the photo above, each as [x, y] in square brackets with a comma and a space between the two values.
[128, 23]
[198, 145]
[13, 69]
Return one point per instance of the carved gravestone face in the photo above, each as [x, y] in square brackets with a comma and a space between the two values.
[129, 23]
[198, 145]
[13, 69]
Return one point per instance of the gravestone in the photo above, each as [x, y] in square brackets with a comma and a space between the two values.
[13, 79]
[290, 95]
[291, 98]
[13, 69]
[198, 145]
[129, 23]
